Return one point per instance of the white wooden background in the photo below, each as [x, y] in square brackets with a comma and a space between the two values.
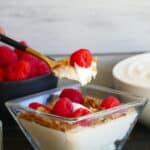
[61, 26]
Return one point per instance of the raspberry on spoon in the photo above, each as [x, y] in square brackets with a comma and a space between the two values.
[81, 57]
[73, 94]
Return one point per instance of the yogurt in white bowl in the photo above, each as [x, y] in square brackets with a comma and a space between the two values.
[133, 75]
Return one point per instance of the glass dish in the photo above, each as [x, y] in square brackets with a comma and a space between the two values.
[97, 131]
[1, 136]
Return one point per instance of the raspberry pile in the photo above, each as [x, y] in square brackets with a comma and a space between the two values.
[18, 65]
[65, 104]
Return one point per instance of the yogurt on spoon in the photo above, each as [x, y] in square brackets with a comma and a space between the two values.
[81, 66]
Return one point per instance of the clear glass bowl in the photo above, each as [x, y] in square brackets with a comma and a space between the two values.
[104, 130]
[1, 136]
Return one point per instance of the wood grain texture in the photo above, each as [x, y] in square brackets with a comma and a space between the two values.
[57, 27]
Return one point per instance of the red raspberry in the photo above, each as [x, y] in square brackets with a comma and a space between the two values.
[28, 57]
[2, 31]
[34, 105]
[1, 74]
[73, 94]
[63, 107]
[24, 43]
[80, 112]
[81, 57]
[20, 52]
[33, 63]
[18, 71]
[39, 106]
[24, 55]
[42, 68]
[109, 102]
[7, 56]
[38, 67]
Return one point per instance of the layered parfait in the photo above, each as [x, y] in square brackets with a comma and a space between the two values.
[74, 124]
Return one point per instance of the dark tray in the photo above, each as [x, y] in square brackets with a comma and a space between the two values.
[15, 89]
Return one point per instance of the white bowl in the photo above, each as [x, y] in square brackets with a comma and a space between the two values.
[133, 75]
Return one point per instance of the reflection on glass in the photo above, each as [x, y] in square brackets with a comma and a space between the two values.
[1, 135]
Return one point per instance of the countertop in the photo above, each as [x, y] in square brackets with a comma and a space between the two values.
[139, 139]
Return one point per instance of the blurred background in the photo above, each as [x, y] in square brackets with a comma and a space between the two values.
[59, 27]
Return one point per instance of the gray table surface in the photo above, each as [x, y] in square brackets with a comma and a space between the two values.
[139, 139]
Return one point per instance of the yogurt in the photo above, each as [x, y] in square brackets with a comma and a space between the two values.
[135, 70]
[99, 137]
[77, 73]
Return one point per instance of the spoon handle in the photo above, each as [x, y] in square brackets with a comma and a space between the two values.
[12, 42]
[5, 39]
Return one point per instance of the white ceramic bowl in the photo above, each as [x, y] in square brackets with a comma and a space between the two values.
[133, 75]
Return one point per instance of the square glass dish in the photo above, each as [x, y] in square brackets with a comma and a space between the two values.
[1, 136]
[101, 130]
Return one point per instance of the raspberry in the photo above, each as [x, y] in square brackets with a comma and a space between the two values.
[2, 31]
[28, 57]
[7, 56]
[38, 67]
[80, 112]
[39, 106]
[18, 71]
[63, 107]
[1, 74]
[109, 102]
[42, 68]
[32, 60]
[20, 52]
[24, 55]
[81, 57]
[73, 94]
[24, 43]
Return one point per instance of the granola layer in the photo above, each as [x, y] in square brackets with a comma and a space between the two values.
[89, 102]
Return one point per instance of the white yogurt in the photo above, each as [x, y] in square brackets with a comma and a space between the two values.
[99, 137]
[77, 73]
[78, 106]
[135, 70]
